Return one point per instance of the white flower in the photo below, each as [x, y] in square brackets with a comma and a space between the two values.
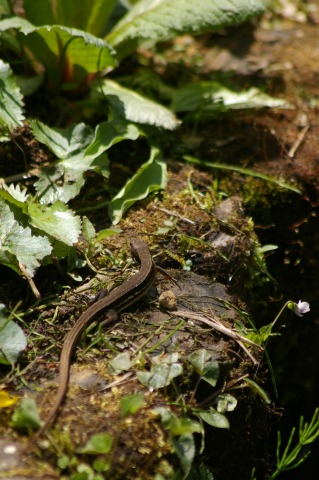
[300, 308]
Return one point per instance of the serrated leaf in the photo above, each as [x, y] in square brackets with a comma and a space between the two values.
[26, 415]
[11, 101]
[63, 142]
[64, 179]
[88, 230]
[213, 418]
[18, 244]
[98, 444]
[56, 220]
[150, 177]
[213, 98]
[13, 194]
[12, 340]
[131, 404]
[160, 375]
[150, 21]
[134, 107]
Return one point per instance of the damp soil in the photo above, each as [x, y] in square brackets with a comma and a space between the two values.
[281, 55]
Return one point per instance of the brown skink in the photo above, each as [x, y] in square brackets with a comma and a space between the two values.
[119, 299]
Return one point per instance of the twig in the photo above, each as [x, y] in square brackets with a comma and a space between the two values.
[118, 381]
[217, 325]
[298, 141]
[33, 287]
[175, 214]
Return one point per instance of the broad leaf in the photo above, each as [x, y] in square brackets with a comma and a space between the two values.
[26, 415]
[98, 444]
[12, 340]
[162, 373]
[18, 244]
[56, 220]
[67, 52]
[64, 179]
[150, 177]
[120, 363]
[213, 418]
[150, 21]
[131, 404]
[13, 194]
[212, 98]
[185, 450]
[134, 107]
[206, 368]
[211, 372]
[109, 133]
[92, 16]
[177, 425]
[11, 103]
[199, 359]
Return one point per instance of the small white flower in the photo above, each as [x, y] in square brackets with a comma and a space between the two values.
[301, 307]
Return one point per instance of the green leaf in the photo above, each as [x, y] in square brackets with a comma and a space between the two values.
[213, 418]
[121, 363]
[98, 444]
[40, 12]
[184, 447]
[134, 107]
[150, 177]
[177, 425]
[57, 221]
[64, 179]
[109, 133]
[206, 368]
[18, 244]
[63, 142]
[213, 98]
[150, 21]
[26, 415]
[131, 404]
[161, 374]
[88, 230]
[66, 52]
[11, 103]
[12, 339]
[257, 389]
[226, 403]
[211, 373]
[14, 195]
[199, 359]
[5, 7]
[91, 17]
